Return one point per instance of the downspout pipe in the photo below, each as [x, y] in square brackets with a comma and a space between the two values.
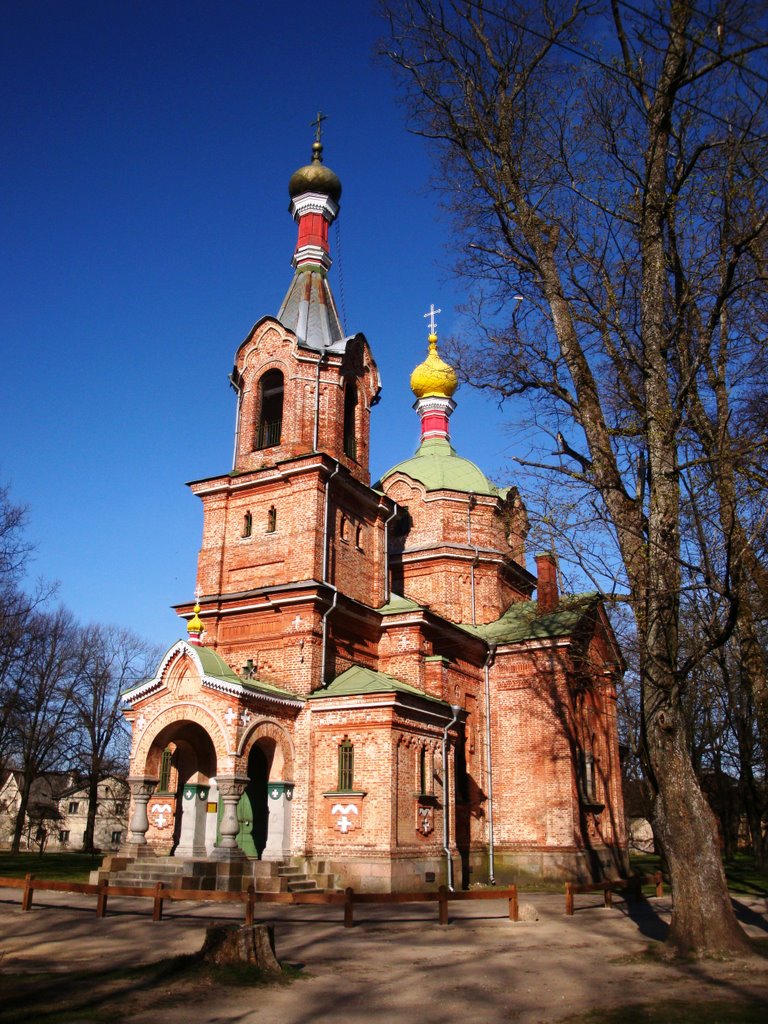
[316, 433]
[471, 502]
[326, 529]
[234, 382]
[489, 760]
[387, 521]
[455, 711]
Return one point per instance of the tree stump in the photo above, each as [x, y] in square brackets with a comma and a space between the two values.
[233, 944]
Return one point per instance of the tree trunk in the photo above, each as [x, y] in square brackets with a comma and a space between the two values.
[90, 822]
[231, 944]
[18, 828]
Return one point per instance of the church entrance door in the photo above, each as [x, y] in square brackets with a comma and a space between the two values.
[252, 810]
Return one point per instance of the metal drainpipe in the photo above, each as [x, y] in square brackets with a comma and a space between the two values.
[239, 392]
[325, 636]
[456, 711]
[471, 502]
[316, 434]
[324, 645]
[386, 553]
[487, 670]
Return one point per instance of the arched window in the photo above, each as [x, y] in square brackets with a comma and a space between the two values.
[247, 524]
[359, 537]
[272, 520]
[346, 765]
[271, 389]
[344, 528]
[350, 406]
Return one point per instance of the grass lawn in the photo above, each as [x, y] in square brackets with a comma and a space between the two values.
[65, 867]
[744, 878]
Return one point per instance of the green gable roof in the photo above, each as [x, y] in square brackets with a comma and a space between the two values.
[357, 681]
[397, 604]
[437, 466]
[214, 665]
[521, 621]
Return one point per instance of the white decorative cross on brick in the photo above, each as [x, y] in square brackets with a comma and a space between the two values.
[161, 810]
[344, 824]
[245, 717]
[230, 716]
[140, 723]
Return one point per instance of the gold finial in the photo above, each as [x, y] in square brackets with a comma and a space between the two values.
[434, 377]
[195, 624]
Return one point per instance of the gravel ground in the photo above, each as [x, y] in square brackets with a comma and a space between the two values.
[396, 963]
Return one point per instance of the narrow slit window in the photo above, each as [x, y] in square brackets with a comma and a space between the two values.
[164, 779]
[271, 388]
[350, 410]
[247, 524]
[423, 770]
[272, 520]
[343, 528]
[359, 537]
[346, 765]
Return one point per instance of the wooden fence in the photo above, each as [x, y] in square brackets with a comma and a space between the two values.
[632, 886]
[348, 898]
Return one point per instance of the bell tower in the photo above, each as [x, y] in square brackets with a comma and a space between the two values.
[302, 385]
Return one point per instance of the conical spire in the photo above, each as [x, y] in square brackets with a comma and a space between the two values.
[309, 309]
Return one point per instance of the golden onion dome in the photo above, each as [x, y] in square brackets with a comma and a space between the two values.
[433, 377]
[195, 625]
[315, 177]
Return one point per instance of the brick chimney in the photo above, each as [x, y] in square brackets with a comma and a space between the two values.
[546, 571]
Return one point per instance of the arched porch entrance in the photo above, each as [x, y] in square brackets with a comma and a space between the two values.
[183, 759]
[264, 809]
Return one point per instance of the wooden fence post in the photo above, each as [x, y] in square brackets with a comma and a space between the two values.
[157, 909]
[659, 880]
[569, 898]
[608, 898]
[514, 909]
[26, 899]
[101, 901]
[442, 903]
[250, 902]
[349, 894]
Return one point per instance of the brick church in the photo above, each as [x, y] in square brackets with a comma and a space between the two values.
[369, 692]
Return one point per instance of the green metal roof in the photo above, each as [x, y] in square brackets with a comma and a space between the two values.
[214, 665]
[357, 681]
[439, 468]
[521, 621]
[397, 604]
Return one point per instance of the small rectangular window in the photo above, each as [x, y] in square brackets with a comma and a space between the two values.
[73, 807]
[119, 807]
[64, 835]
[116, 836]
[346, 765]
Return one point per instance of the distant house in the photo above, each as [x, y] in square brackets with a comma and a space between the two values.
[58, 812]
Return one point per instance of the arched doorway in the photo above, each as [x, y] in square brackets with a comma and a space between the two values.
[253, 810]
[183, 758]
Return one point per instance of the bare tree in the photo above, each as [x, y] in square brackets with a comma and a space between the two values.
[41, 724]
[110, 660]
[607, 164]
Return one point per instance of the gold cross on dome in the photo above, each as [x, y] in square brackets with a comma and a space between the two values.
[317, 124]
[432, 314]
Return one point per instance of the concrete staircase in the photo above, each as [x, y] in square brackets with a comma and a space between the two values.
[232, 876]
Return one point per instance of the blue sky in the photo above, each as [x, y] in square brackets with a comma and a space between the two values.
[146, 151]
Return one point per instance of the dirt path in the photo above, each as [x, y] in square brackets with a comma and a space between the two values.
[396, 964]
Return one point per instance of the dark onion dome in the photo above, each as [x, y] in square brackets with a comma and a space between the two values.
[315, 177]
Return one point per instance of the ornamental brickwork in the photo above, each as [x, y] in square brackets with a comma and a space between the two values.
[370, 690]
